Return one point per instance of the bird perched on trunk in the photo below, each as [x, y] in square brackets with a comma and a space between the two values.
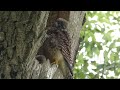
[57, 47]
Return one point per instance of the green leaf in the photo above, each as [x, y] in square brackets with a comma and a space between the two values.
[117, 73]
[93, 21]
[118, 40]
[106, 56]
[118, 49]
[97, 30]
[99, 46]
[78, 74]
[110, 31]
[91, 75]
[100, 66]
[102, 29]
[85, 66]
[112, 56]
[116, 56]
[93, 63]
[86, 39]
[112, 45]
[82, 75]
[89, 53]
[96, 50]
[80, 58]
[82, 33]
[107, 37]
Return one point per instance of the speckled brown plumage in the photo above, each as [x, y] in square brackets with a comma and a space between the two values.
[63, 41]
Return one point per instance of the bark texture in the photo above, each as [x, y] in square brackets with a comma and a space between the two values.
[21, 35]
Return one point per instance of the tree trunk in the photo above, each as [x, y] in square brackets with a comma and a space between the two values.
[22, 34]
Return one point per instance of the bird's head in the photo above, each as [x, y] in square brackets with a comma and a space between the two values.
[60, 23]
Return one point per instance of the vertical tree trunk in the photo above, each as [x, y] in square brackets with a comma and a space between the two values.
[21, 35]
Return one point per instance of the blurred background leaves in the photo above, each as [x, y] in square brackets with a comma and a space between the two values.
[99, 54]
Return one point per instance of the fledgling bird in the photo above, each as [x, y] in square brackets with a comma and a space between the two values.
[57, 47]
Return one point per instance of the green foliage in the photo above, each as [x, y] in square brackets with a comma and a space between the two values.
[99, 54]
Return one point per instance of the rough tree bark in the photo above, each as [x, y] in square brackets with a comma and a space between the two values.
[21, 35]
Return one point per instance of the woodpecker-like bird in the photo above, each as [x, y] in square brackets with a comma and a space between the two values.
[57, 47]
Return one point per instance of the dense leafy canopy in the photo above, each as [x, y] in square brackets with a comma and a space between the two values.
[99, 56]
